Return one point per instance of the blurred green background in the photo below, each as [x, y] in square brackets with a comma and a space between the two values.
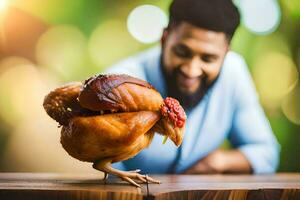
[47, 43]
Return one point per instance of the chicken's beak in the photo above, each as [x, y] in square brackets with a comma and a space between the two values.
[174, 133]
[177, 136]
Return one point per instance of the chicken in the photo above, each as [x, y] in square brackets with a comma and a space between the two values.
[111, 118]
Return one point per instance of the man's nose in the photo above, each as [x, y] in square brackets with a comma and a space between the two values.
[193, 68]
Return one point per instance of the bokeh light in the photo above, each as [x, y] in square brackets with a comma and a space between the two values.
[260, 16]
[20, 87]
[23, 87]
[291, 105]
[275, 75]
[110, 42]
[263, 45]
[13, 61]
[146, 23]
[34, 145]
[64, 50]
[3, 4]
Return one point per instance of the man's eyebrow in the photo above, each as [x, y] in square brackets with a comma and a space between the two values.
[211, 55]
[180, 44]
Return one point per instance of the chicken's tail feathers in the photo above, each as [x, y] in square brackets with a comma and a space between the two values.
[61, 104]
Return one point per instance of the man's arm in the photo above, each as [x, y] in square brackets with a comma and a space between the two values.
[222, 161]
[251, 132]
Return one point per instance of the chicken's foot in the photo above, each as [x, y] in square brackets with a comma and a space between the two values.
[124, 175]
[105, 177]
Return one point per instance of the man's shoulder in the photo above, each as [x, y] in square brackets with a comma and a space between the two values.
[135, 65]
[234, 67]
[238, 77]
[234, 61]
[234, 74]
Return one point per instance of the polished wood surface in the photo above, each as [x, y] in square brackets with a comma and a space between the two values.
[86, 186]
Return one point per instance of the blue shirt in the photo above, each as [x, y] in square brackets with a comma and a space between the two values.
[230, 109]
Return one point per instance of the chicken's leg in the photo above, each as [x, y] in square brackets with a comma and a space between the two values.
[105, 167]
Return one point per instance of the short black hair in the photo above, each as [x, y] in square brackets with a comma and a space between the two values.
[215, 15]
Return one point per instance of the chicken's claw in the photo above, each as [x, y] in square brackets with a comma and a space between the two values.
[125, 175]
[128, 176]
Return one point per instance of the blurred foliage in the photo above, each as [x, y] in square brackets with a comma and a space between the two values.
[85, 37]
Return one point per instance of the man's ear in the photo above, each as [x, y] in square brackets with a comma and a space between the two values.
[164, 36]
[228, 48]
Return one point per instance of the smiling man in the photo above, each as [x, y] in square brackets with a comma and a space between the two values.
[195, 65]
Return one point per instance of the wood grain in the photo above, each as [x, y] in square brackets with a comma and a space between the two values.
[87, 186]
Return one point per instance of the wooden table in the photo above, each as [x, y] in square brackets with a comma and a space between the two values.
[83, 186]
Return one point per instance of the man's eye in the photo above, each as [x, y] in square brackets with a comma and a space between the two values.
[208, 58]
[182, 51]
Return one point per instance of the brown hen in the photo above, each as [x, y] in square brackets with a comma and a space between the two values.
[111, 118]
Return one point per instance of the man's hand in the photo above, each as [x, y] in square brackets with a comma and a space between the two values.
[221, 161]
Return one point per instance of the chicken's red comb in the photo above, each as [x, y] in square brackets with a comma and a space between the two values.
[172, 109]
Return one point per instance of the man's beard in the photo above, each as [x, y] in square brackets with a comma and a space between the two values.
[187, 100]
